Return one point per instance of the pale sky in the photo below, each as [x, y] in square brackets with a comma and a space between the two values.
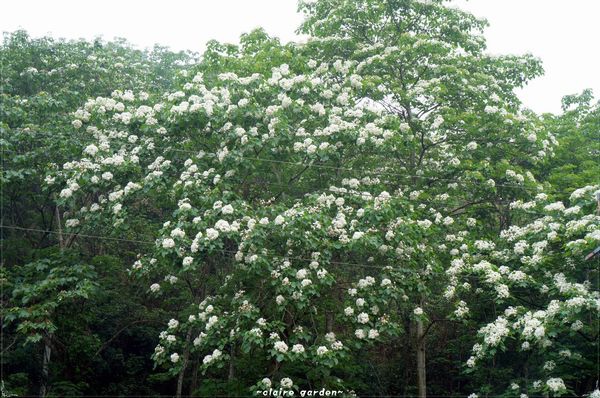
[563, 33]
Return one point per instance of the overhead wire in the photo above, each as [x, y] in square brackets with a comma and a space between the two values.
[364, 172]
[149, 242]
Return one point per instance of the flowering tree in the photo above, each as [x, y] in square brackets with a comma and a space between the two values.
[543, 288]
[300, 209]
[307, 205]
[43, 81]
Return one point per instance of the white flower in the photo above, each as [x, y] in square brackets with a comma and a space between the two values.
[286, 382]
[556, 206]
[222, 226]
[280, 346]
[298, 348]
[168, 243]
[227, 209]
[549, 365]
[360, 302]
[577, 325]
[188, 261]
[301, 274]
[490, 109]
[322, 350]
[556, 384]
[91, 150]
[279, 299]
[66, 193]
[337, 345]
[360, 334]
[424, 223]
[358, 235]
[177, 233]
[155, 287]
[363, 317]
[321, 273]
[349, 311]
[212, 357]
[212, 234]
[71, 223]
[279, 220]
[175, 357]
[211, 322]
[173, 323]
[107, 176]
[185, 206]
[373, 334]
[418, 311]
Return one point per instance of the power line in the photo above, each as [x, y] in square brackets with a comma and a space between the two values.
[77, 234]
[154, 243]
[349, 169]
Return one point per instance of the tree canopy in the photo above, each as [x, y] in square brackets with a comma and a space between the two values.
[373, 212]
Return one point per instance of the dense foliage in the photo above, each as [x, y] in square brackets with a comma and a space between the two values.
[372, 211]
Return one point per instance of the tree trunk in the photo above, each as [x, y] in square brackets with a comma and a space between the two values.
[186, 357]
[421, 371]
[329, 321]
[45, 366]
[231, 374]
[194, 382]
[48, 338]
[61, 241]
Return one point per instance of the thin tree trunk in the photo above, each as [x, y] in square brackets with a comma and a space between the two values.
[45, 366]
[329, 321]
[186, 357]
[421, 371]
[61, 241]
[194, 382]
[231, 374]
[48, 338]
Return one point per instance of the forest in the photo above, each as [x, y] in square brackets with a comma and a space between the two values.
[369, 212]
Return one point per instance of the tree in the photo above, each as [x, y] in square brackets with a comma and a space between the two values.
[362, 212]
[577, 159]
[542, 290]
[283, 144]
[43, 81]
